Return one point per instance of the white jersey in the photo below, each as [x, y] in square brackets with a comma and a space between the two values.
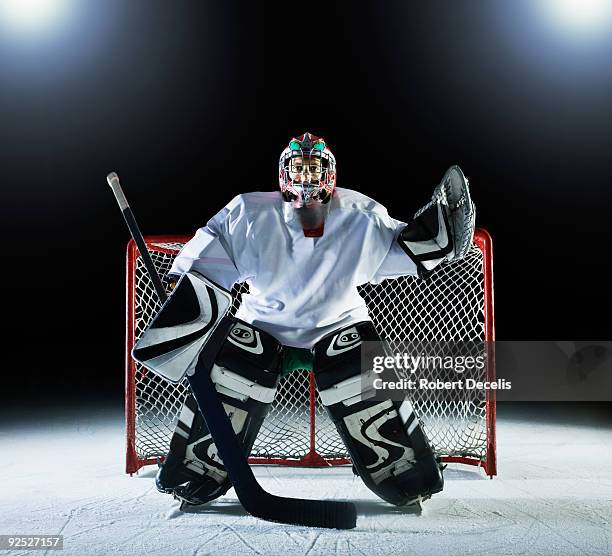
[301, 288]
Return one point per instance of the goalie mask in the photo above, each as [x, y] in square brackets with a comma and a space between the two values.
[307, 179]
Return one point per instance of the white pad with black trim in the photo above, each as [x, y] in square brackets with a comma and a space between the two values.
[240, 387]
[349, 392]
[172, 343]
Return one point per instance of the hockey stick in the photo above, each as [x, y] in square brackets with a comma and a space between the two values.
[113, 181]
[255, 500]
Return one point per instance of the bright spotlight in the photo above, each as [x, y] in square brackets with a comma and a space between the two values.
[581, 15]
[29, 15]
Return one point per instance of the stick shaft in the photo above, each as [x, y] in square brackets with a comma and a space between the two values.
[144, 253]
[130, 220]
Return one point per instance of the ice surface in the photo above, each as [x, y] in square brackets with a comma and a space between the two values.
[63, 473]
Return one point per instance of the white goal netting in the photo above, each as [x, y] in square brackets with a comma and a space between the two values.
[454, 304]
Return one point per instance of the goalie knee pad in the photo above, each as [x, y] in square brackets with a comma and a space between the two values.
[443, 229]
[246, 374]
[384, 438]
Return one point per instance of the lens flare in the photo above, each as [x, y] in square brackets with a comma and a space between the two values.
[582, 16]
[31, 15]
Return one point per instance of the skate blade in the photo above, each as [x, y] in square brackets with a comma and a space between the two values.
[189, 505]
[415, 506]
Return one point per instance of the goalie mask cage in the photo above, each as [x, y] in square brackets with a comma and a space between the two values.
[454, 303]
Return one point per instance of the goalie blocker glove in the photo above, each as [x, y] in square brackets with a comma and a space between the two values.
[442, 230]
[188, 321]
[389, 449]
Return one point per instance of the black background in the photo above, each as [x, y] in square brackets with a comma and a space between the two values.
[192, 102]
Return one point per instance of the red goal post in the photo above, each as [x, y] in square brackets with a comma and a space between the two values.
[454, 304]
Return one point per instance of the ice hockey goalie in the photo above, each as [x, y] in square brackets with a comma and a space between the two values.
[303, 250]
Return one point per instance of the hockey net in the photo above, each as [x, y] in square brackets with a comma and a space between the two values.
[455, 303]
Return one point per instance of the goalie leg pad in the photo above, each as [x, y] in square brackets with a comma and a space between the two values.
[245, 373]
[386, 442]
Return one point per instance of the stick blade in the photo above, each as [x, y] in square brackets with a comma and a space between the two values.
[330, 514]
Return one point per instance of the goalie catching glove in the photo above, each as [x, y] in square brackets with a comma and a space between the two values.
[442, 230]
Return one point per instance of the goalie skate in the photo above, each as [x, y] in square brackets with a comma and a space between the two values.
[199, 492]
